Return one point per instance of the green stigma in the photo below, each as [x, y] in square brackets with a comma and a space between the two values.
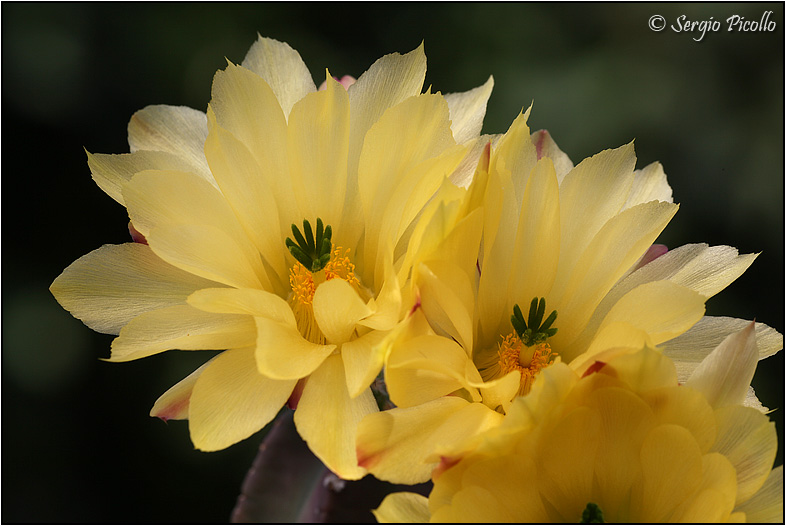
[532, 331]
[312, 251]
[591, 514]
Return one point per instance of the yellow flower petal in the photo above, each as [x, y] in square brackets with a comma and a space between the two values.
[231, 400]
[111, 172]
[394, 444]
[447, 300]
[363, 359]
[546, 147]
[748, 439]
[427, 367]
[282, 69]
[282, 352]
[390, 80]
[767, 504]
[241, 180]
[242, 301]
[173, 404]
[245, 106]
[536, 256]
[403, 507]
[115, 283]
[616, 247]
[317, 139]
[590, 195]
[649, 184]
[671, 466]
[175, 129]
[181, 327]
[337, 309]
[208, 252]
[467, 110]
[327, 418]
[724, 376]
[690, 348]
[714, 500]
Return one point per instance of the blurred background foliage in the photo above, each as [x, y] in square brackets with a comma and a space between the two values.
[78, 445]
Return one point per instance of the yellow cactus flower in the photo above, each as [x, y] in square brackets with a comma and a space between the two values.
[535, 263]
[272, 227]
[625, 442]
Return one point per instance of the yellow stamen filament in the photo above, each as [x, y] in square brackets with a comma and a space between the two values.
[515, 356]
[304, 285]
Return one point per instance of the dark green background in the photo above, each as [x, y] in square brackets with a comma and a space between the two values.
[78, 445]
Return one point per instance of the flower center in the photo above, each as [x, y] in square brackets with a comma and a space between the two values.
[528, 360]
[318, 261]
[526, 349]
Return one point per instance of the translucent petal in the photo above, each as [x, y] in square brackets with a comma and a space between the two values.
[173, 405]
[337, 309]
[244, 185]
[363, 360]
[111, 172]
[649, 184]
[174, 129]
[327, 418]
[283, 354]
[115, 283]
[231, 400]
[402, 507]
[725, 374]
[283, 70]
[467, 110]
[546, 147]
[317, 142]
[242, 301]
[748, 439]
[767, 504]
[181, 327]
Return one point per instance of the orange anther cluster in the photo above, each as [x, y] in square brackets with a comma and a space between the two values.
[513, 355]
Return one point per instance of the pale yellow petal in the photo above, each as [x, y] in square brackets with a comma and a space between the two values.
[327, 418]
[363, 360]
[181, 327]
[661, 309]
[283, 70]
[174, 129]
[427, 367]
[690, 348]
[546, 147]
[402, 507]
[242, 301]
[195, 225]
[337, 309]
[246, 107]
[282, 353]
[645, 370]
[748, 439]
[386, 306]
[671, 467]
[618, 245]
[447, 300]
[111, 172]
[115, 283]
[394, 445]
[536, 255]
[241, 180]
[649, 184]
[231, 400]
[173, 405]
[725, 374]
[208, 252]
[591, 194]
[317, 139]
[714, 500]
[515, 154]
[766, 506]
[390, 80]
[405, 156]
[467, 110]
